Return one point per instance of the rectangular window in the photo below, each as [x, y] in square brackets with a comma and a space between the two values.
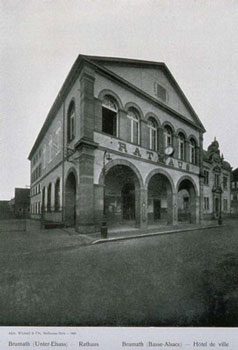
[206, 177]
[160, 91]
[217, 180]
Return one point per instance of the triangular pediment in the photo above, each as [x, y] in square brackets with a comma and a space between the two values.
[154, 79]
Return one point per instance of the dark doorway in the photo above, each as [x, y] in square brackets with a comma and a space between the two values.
[70, 200]
[187, 202]
[128, 202]
[157, 209]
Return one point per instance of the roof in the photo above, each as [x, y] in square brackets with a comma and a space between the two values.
[225, 164]
[235, 174]
[205, 155]
[97, 61]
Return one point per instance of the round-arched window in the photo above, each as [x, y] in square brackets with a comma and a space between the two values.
[181, 146]
[168, 133]
[109, 116]
[134, 125]
[71, 121]
[152, 125]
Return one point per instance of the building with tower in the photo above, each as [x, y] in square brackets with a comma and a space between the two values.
[234, 192]
[217, 179]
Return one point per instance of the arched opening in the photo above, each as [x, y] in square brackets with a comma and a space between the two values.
[70, 200]
[71, 122]
[49, 198]
[186, 202]
[122, 196]
[181, 146]
[159, 207]
[168, 136]
[133, 116]
[193, 155]
[43, 200]
[152, 125]
[109, 115]
[57, 195]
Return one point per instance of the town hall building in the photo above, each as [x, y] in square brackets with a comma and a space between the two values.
[122, 145]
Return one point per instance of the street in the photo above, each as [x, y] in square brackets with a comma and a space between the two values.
[184, 279]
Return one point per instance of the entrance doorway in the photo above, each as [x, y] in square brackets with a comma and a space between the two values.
[159, 208]
[70, 200]
[122, 196]
[186, 202]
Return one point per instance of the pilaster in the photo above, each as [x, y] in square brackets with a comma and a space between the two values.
[87, 103]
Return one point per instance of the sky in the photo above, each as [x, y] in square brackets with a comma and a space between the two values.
[40, 40]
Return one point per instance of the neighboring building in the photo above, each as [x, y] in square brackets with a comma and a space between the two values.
[217, 179]
[234, 192]
[22, 202]
[132, 117]
[5, 210]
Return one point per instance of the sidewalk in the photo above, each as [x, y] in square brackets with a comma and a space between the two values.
[118, 234]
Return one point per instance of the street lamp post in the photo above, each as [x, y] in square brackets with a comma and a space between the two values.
[104, 228]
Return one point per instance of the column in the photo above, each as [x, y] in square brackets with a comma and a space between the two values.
[141, 207]
[87, 103]
[175, 145]
[160, 140]
[175, 208]
[98, 114]
[195, 206]
[52, 207]
[85, 218]
[172, 211]
[46, 198]
[98, 206]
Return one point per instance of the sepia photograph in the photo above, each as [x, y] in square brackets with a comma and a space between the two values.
[119, 164]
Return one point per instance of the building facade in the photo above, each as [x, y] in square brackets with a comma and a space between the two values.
[22, 203]
[234, 192]
[121, 141]
[217, 179]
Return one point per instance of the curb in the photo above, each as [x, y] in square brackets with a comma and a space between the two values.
[144, 235]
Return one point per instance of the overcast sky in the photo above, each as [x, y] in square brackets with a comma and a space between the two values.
[40, 40]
